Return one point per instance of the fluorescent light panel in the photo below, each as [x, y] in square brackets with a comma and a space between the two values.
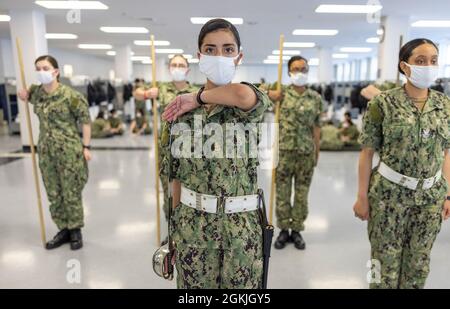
[277, 57]
[140, 58]
[269, 61]
[94, 46]
[149, 43]
[193, 60]
[61, 36]
[356, 49]
[431, 24]
[168, 51]
[340, 56]
[299, 44]
[73, 5]
[124, 29]
[348, 9]
[373, 40]
[321, 32]
[287, 52]
[5, 18]
[204, 20]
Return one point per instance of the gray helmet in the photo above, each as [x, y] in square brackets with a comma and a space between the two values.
[162, 262]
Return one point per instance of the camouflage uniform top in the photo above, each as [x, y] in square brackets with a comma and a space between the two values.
[59, 114]
[98, 126]
[168, 92]
[226, 177]
[409, 141]
[115, 123]
[140, 121]
[299, 114]
[386, 86]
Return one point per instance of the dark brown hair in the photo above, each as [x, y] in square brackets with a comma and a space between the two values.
[407, 50]
[51, 60]
[215, 25]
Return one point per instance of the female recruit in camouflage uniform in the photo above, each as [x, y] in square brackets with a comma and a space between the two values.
[62, 157]
[166, 93]
[221, 249]
[411, 139]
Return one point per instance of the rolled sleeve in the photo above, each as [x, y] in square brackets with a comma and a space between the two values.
[257, 112]
[372, 131]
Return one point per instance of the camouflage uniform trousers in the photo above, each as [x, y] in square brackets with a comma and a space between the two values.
[164, 177]
[65, 173]
[402, 235]
[297, 167]
[206, 264]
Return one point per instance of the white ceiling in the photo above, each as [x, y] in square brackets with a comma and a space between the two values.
[264, 21]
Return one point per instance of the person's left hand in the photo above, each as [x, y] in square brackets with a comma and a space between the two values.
[180, 106]
[87, 154]
[446, 210]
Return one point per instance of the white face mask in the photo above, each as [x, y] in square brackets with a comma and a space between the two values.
[299, 79]
[45, 77]
[423, 77]
[178, 74]
[218, 69]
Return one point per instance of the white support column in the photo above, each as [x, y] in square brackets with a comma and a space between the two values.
[29, 27]
[326, 68]
[394, 28]
[123, 64]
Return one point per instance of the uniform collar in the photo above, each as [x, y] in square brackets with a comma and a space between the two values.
[433, 102]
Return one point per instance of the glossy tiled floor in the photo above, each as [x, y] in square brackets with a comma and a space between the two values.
[120, 229]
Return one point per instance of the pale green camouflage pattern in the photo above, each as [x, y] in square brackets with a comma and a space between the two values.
[298, 168]
[166, 94]
[61, 161]
[404, 223]
[99, 128]
[330, 138]
[140, 121]
[299, 115]
[116, 123]
[219, 250]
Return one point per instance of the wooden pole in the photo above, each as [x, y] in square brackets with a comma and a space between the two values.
[33, 151]
[277, 120]
[155, 140]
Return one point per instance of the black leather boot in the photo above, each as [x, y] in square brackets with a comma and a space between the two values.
[61, 238]
[76, 240]
[297, 238]
[282, 239]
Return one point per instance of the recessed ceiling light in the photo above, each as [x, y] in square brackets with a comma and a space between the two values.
[313, 62]
[348, 9]
[146, 61]
[73, 5]
[185, 56]
[277, 57]
[299, 44]
[168, 51]
[431, 24]
[287, 52]
[193, 60]
[61, 36]
[340, 56]
[269, 61]
[149, 43]
[329, 32]
[204, 20]
[140, 58]
[373, 40]
[5, 18]
[380, 31]
[94, 46]
[111, 53]
[356, 49]
[124, 29]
